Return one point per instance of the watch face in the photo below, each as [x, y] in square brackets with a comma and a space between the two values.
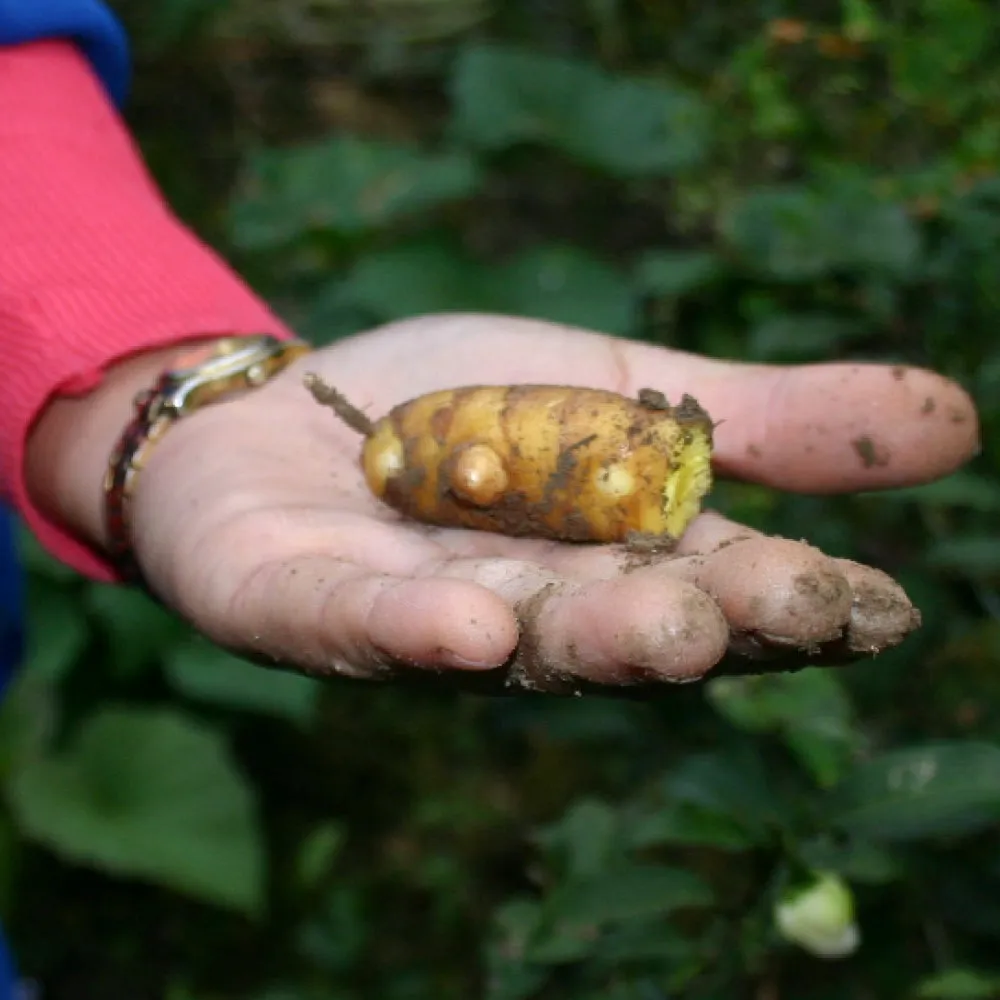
[215, 369]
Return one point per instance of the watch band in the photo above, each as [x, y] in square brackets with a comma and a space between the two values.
[202, 376]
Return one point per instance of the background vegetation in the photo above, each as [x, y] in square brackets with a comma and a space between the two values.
[759, 180]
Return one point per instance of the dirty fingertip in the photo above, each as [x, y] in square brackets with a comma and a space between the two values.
[882, 615]
[636, 629]
[782, 591]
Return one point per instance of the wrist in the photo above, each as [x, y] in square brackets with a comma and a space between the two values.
[123, 276]
[69, 446]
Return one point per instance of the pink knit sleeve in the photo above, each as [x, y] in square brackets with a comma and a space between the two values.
[93, 265]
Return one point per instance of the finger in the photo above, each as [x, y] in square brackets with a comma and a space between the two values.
[783, 592]
[877, 616]
[776, 594]
[881, 617]
[329, 616]
[837, 428]
[773, 591]
[881, 613]
[622, 631]
[825, 428]
[821, 428]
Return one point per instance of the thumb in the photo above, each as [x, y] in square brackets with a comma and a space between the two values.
[829, 428]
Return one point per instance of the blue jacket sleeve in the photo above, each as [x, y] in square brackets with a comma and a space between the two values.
[87, 22]
[11, 608]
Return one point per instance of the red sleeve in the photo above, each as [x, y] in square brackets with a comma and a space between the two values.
[93, 265]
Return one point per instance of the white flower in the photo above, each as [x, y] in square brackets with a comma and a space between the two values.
[820, 917]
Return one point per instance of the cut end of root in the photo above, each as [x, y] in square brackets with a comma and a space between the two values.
[326, 395]
[690, 481]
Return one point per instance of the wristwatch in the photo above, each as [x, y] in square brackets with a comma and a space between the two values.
[207, 374]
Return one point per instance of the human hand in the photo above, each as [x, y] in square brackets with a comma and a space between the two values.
[252, 519]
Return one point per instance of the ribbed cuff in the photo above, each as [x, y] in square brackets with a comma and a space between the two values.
[93, 266]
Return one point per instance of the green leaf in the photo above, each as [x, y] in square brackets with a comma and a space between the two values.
[561, 943]
[747, 503]
[510, 974]
[795, 233]
[967, 490]
[317, 853]
[586, 838]
[627, 893]
[672, 273]
[649, 941]
[861, 21]
[328, 314]
[809, 709]
[513, 980]
[138, 628]
[855, 860]
[689, 824]
[765, 703]
[152, 795]
[564, 284]
[338, 934]
[38, 562]
[959, 984]
[938, 789]
[167, 23]
[631, 128]
[639, 128]
[11, 851]
[415, 279]
[344, 185]
[972, 556]
[57, 630]
[801, 337]
[558, 283]
[28, 719]
[206, 673]
[927, 64]
[730, 784]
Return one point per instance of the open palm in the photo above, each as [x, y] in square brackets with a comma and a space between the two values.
[254, 521]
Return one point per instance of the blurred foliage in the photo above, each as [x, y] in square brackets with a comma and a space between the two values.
[771, 181]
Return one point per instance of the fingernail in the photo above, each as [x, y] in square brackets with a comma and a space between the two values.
[450, 658]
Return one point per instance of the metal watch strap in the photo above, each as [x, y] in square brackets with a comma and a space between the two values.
[233, 365]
